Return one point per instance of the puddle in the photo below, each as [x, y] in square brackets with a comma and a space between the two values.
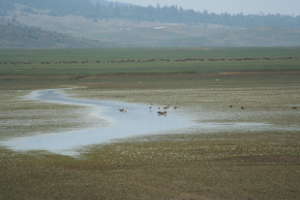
[138, 121]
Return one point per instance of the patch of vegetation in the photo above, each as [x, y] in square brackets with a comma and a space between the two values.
[223, 166]
[94, 67]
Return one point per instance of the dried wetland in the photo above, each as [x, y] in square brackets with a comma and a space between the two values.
[245, 103]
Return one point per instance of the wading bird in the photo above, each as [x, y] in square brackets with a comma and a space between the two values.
[162, 113]
[124, 110]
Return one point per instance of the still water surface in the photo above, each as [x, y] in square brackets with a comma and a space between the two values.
[138, 121]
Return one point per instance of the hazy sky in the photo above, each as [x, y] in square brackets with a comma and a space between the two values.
[291, 7]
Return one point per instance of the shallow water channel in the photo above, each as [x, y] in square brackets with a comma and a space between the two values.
[138, 121]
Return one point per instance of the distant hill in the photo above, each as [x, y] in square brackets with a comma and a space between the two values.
[127, 33]
[102, 23]
[102, 9]
[20, 36]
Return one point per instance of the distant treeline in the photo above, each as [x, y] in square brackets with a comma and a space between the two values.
[171, 14]
[148, 60]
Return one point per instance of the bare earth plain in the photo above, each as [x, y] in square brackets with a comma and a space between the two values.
[212, 85]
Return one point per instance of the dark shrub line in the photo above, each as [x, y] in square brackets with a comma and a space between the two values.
[150, 60]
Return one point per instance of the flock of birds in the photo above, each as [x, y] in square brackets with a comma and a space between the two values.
[162, 111]
[243, 108]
